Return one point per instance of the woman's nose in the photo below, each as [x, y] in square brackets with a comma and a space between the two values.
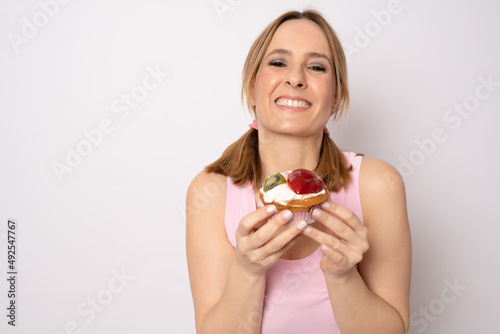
[295, 77]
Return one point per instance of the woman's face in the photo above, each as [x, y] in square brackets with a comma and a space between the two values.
[294, 86]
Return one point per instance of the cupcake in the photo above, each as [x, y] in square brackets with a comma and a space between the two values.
[299, 191]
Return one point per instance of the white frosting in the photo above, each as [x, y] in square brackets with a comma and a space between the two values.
[282, 194]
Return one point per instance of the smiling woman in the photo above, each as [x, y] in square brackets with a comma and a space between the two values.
[255, 270]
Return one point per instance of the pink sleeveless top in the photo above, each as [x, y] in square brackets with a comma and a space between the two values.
[296, 298]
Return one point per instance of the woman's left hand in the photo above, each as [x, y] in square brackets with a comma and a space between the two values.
[346, 241]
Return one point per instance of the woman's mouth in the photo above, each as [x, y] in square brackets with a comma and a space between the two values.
[284, 102]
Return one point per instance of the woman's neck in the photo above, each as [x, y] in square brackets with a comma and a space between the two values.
[280, 152]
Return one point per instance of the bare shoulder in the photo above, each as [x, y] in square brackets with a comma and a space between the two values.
[381, 187]
[210, 184]
[378, 175]
[206, 193]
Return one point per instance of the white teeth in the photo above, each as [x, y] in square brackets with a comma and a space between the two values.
[293, 103]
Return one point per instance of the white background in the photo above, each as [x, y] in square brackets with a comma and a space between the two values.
[121, 208]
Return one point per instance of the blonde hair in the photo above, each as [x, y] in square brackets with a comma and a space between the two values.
[241, 160]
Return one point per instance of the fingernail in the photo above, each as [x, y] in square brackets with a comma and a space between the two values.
[287, 214]
[324, 248]
[325, 204]
[271, 208]
[317, 213]
[260, 204]
[301, 225]
[308, 230]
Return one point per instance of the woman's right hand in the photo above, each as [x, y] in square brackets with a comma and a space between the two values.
[258, 248]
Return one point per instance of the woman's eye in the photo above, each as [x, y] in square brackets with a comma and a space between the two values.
[318, 68]
[277, 63]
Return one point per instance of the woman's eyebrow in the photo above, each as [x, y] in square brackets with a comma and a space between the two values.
[280, 51]
[311, 54]
[318, 55]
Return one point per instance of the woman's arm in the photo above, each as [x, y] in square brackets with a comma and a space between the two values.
[375, 297]
[228, 284]
[210, 257]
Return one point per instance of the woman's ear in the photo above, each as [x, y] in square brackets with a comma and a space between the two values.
[252, 103]
[335, 108]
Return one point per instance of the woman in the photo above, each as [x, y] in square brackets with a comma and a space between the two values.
[348, 272]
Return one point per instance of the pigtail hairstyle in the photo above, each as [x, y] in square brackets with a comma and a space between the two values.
[240, 160]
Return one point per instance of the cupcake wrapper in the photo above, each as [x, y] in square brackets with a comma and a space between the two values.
[301, 215]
